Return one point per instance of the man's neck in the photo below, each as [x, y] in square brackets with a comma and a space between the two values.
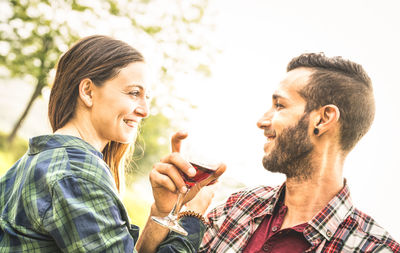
[306, 197]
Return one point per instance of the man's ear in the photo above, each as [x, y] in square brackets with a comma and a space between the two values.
[326, 118]
[85, 91]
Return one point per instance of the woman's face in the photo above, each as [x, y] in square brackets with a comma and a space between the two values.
[120, 104]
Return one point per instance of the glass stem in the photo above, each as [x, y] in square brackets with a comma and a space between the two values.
[177, 207]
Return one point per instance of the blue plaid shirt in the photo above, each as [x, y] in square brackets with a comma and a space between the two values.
[60, 196]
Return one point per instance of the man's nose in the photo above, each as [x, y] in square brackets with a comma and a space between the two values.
[264, 121]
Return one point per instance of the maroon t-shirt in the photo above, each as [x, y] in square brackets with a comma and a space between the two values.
[270, 238]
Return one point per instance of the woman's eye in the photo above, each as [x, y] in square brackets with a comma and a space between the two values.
[135, 93]
[139, 93]
[278, 106]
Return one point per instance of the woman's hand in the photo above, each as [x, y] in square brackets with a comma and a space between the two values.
[166, 181]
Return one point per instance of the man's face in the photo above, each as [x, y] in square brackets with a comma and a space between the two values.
[286, 127]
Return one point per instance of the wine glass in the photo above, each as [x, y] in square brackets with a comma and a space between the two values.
[205, 164]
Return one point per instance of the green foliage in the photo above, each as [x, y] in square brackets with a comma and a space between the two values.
[10, 154]
[204, 69]
[152, 144]
[138, 208]
[79, 7]
[34, 40]
[152, 29]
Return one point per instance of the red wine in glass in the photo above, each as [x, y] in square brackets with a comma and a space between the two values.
[190, 153]
[202, 172]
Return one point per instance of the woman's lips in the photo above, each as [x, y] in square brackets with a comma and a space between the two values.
[130, 123]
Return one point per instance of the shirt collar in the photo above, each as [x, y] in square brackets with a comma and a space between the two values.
[45, 142]
[327, 221]
[268, 202]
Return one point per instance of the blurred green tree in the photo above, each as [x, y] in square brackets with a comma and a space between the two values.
[34, 33]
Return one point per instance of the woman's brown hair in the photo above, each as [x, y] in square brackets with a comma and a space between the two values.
[98, 58]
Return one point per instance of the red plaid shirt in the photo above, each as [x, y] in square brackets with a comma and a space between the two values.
[339, 227]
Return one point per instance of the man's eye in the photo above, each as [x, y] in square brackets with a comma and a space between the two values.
[278, 106]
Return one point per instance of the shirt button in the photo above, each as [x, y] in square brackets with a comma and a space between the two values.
[328, 233]
[274, 228]
[266, 247]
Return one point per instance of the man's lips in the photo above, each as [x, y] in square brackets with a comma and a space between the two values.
[270, 137]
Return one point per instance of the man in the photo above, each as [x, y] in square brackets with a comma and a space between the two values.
[320, 111]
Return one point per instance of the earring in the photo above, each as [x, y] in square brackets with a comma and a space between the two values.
[316, 131]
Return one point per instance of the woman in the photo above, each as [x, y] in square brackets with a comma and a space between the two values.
[62, 195]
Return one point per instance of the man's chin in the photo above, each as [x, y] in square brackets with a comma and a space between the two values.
[269, 165]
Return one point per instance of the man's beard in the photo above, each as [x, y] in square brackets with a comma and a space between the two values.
[291, 154]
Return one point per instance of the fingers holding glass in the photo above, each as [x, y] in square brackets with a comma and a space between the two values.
[197, 168]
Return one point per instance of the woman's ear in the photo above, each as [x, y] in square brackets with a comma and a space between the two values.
[85, 91]
[327, 117]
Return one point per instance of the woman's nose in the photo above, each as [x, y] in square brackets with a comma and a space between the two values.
[142, 109]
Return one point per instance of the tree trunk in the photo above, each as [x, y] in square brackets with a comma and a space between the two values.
[36, 93]
[41, 82]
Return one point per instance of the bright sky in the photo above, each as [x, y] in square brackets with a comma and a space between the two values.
[258, 39]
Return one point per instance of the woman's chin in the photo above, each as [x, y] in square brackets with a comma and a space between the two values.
[125, 137]
[128, 139]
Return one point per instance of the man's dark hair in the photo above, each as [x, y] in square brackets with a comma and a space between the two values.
[343, 83]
